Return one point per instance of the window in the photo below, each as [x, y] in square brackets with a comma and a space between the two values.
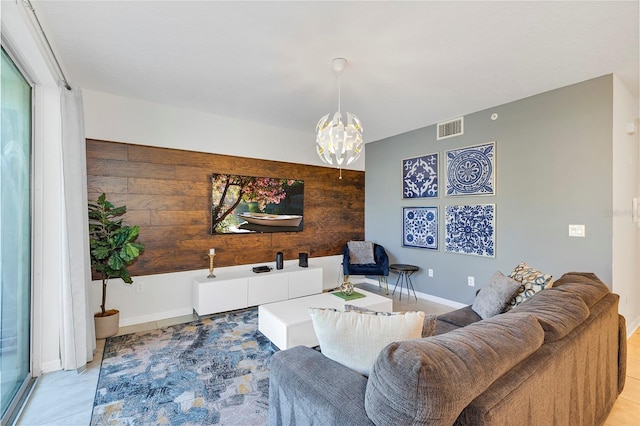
[15, 235]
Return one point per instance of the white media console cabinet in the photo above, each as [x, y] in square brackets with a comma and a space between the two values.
[243, 288]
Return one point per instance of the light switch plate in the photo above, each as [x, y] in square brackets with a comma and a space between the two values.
[576, 231]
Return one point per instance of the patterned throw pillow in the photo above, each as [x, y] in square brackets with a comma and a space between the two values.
[532, 282]
[361, 252]
[355, 339]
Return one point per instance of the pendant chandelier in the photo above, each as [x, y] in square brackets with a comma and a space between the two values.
[338, 143]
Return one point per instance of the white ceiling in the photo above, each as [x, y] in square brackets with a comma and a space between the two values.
[411, 64]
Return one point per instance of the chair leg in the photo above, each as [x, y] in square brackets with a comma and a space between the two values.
[381, 279]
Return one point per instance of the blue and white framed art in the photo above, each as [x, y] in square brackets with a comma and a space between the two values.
[471, 170]
[471, 230]
[420, 177]
[420, 227]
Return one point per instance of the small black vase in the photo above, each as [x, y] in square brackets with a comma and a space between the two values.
[279, 260]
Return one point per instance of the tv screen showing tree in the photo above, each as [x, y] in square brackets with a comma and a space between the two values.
[250, 204]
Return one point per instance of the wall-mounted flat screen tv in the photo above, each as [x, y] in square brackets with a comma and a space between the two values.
[250, 204]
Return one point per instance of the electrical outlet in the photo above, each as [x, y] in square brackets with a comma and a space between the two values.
[139, 285]
[471, 281]
[431, 273]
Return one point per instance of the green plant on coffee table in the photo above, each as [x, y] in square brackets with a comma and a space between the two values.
[113, 247]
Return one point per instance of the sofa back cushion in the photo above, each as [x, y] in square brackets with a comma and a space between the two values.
[558, 312]
[431, 380]
[585, 285]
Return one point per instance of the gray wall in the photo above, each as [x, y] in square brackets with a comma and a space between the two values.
[553, 168]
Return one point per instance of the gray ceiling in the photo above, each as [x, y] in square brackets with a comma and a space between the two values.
[411, 64]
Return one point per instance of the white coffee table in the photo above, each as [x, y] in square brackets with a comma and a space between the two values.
[288, 324]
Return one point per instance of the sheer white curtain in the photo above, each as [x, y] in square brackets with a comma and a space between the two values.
[77, 335]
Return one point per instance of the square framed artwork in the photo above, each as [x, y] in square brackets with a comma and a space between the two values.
[471, 170]
[420, 177]
[471, 230]
[420, 227]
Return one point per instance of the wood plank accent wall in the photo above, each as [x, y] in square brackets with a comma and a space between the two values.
[168, 194]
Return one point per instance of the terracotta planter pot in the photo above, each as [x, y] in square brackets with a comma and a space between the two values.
[107, 326]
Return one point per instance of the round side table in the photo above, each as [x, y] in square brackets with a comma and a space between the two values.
[404, 272]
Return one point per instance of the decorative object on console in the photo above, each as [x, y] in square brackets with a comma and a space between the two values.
[420, 177]
[354, 339]
[470, 229]
[250, 204]
[471, 170]
[336, 143]
[112, 249]
[493, 298]
[279, 260]
[212, 254]
[532, 281]
[303, 260]
[420, 227]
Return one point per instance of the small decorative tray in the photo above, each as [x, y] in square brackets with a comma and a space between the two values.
[352, 296]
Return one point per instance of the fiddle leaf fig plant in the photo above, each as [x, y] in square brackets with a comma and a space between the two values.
[113, 247]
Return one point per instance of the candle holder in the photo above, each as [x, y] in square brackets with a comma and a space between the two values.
[211, 275]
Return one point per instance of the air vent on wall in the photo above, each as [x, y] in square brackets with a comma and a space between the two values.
[451, 128]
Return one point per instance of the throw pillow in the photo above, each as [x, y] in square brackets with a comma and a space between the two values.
[355, 339]
[361, 252]
[428, 326]
[495, 295]
[532, 281]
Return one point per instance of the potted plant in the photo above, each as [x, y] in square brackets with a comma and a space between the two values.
[113, 248]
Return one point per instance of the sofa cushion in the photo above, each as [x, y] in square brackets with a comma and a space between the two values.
[431, 380]
[428, 325]
[557, 312]
[354, 339]
[460, 317]
[585, 285]
[533, 281]
[361, 253]
[494, 296]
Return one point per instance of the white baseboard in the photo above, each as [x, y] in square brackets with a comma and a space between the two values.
[158, 316]
[632, 327]
[429, 297]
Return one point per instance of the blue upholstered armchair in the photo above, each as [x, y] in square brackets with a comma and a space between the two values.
[380, 268]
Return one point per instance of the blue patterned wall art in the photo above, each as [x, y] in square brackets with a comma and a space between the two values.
[420, 177]
[471, 229]
[420, 227]
[471, 170]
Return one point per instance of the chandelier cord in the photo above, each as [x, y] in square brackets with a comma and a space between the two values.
[339, 92]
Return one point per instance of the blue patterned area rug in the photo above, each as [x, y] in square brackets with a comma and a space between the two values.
[211, 371]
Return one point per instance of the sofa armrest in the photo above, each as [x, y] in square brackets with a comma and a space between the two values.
[306, 388]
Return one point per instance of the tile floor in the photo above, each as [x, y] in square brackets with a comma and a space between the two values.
[65, 398]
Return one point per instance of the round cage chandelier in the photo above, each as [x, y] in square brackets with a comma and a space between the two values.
[336, 143]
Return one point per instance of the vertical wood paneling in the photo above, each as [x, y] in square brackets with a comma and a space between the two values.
[167, 193]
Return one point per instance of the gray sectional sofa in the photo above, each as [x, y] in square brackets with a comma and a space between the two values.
[557, 359]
